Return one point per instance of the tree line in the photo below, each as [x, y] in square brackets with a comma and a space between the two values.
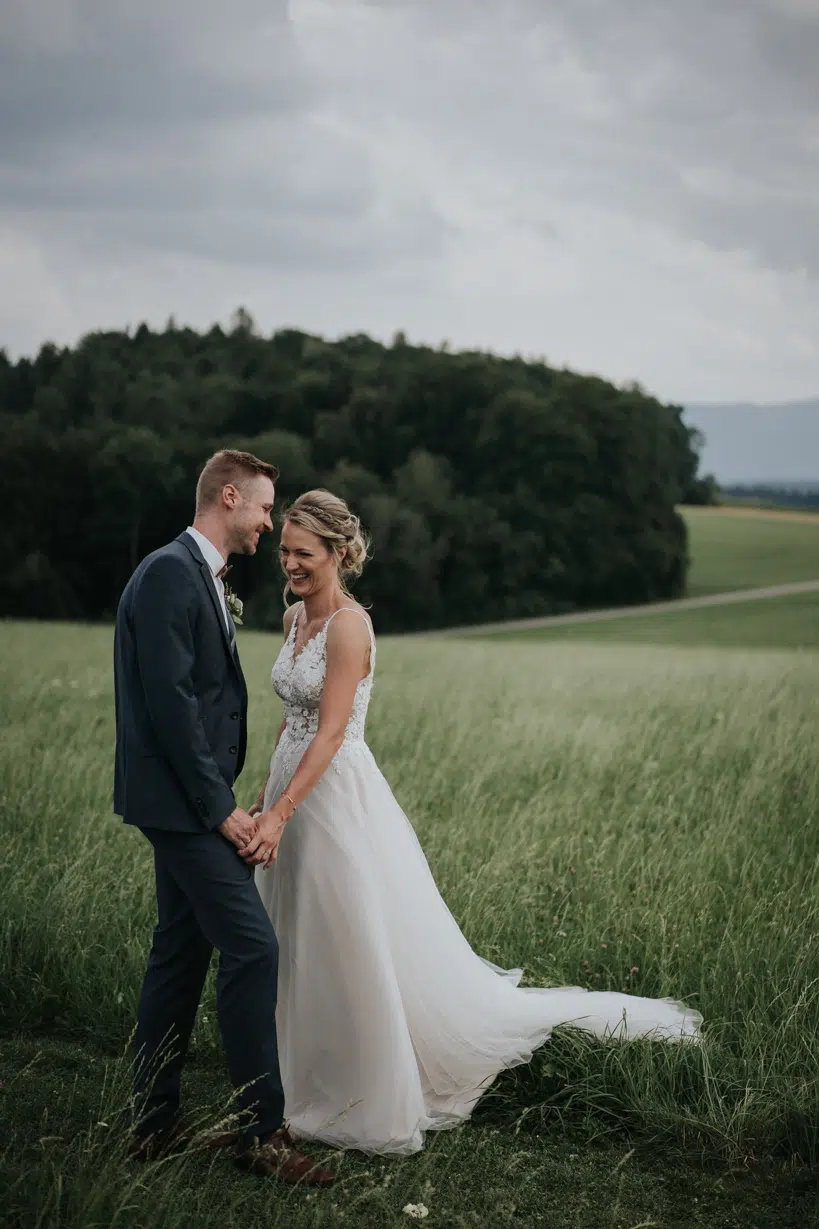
[492, 487]
[797, 495]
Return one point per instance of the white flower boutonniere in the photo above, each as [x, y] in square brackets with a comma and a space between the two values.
[235, 606]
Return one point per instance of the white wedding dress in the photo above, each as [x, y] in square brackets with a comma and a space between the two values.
[389, 1024]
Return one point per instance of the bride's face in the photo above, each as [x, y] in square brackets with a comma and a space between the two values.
[309, 563]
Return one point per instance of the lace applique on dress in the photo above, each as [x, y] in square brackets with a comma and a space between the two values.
[298, 680]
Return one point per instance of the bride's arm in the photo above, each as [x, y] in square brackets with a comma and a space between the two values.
[348, 651]
[258, 805]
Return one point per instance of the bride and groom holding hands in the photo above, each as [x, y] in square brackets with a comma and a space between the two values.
[352, 1010]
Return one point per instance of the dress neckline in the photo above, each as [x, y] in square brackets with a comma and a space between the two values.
[320, 631]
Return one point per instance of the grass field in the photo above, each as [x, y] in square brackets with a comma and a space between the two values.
[780, 622]
[734, 548]
[587, 810]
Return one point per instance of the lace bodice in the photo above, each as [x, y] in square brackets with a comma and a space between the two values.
[298, 680]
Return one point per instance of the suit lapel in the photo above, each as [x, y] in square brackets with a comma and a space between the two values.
[210, 585]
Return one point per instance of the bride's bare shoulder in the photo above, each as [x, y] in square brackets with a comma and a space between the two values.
[354, 607]
[345, 634]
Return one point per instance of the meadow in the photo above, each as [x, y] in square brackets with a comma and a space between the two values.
[626, 815]
[743, 548]
[790, 622]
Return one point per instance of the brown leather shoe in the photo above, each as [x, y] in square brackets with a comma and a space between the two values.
[278, 1157]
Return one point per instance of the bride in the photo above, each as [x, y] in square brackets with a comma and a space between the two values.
[389, 1024]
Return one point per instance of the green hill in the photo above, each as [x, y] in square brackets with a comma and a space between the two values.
[733, 549]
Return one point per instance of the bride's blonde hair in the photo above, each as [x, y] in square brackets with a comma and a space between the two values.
[327, 515]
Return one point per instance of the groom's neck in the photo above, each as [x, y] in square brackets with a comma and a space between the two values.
[215, 532]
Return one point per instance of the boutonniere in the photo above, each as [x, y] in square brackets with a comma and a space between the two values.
[235, 606]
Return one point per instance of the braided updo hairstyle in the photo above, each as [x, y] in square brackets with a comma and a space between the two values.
[328, 516]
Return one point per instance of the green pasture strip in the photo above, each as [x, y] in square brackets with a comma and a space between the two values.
[605, 816]
[748, 552]
[770, 623]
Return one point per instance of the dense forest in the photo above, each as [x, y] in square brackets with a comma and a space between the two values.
[492, 487]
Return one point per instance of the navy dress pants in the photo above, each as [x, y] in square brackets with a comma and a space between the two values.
[206, 899]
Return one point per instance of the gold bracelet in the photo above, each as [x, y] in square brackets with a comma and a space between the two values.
[289, 799]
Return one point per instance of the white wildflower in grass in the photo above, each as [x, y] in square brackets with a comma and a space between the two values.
[416, 1211]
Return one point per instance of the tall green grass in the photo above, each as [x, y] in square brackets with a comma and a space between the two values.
[619, 817]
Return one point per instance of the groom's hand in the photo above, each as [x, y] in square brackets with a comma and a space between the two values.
[263, 849]
[239, 828]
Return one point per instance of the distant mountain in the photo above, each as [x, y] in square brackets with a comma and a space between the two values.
[759, 444]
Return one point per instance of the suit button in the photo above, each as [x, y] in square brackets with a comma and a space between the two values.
[234, 716]
[233, 750]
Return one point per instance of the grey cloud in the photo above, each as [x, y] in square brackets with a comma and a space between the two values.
[285, 243]
[275, 168]
[512, 173]
[697, 117]
[116, 69]
[735, 101]
[183, 128]
[700, 116]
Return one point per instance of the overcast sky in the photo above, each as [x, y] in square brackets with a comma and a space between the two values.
[623, 186]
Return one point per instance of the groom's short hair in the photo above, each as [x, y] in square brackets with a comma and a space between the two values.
[229, 466]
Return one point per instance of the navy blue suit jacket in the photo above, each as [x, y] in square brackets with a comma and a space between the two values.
[181, 699]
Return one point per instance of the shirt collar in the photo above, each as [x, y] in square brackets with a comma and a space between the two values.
[211, 555]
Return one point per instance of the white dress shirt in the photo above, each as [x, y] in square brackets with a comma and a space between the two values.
[215, 562]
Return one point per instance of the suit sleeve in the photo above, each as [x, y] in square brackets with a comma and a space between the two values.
[162, 619]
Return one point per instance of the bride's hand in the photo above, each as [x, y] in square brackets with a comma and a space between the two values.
[263, 849]
[258, 807]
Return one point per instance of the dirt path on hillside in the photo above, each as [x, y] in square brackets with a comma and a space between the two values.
[766, 514]
[631, 612]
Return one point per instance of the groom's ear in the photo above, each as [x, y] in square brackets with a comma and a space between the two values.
[230, 495]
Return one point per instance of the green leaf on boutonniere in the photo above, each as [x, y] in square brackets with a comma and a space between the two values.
[235, 606]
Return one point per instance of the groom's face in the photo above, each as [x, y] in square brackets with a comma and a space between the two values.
[251, 514]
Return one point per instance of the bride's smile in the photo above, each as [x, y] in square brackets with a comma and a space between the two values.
[311, 568]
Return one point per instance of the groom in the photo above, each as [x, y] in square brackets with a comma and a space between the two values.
[181, 706]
